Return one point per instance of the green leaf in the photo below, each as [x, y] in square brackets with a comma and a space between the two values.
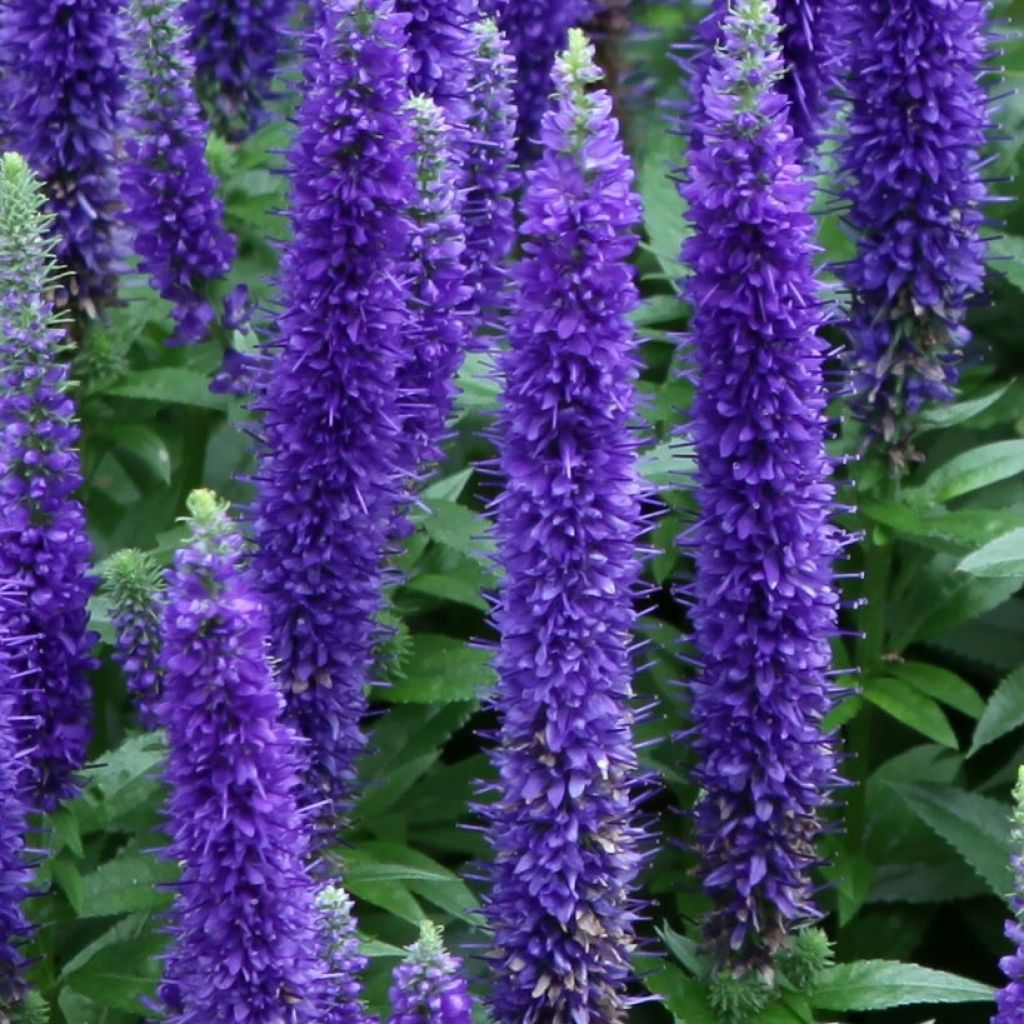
[970, 471]
[975, 826]
[941, 528]
[939, 684]
[685, 950]
[453, 588]
[126, 779]
[448, 488]
[129, 883]
[1003, 713]
[685, 997]
[440, 669]
[911, 707]
[879, 984]
[664, 223]
[458, 528]
[940, 416]
[1001, 557]
[172, 385]
[666, 464]
[143, 445]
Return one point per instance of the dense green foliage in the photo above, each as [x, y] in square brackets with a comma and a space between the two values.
[919, 858]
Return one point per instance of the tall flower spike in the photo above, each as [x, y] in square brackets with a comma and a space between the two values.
[170, 195]
[536, 30]
[332, 472]
[566, 845]
[1010, 999]
[60, 83]
[809, 75]
[910, 159]
[343, 1003]
[136, 588]
[236, 45]
[436, 337]
[489, 175]
[15, 874]
[427, 987]
[764, 601]
[43, 536]
[245, 927]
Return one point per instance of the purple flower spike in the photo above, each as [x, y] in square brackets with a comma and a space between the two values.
[236, 45]
[436, 275]
[427, 987]
[536, 30]
[61, 91]
[246, 930]
[334, 471]
[45, 543]
[1010, 999]
[489, 174]
[918, 120]
[169, 192]
[345, 963]
[764, 601]
[566, 844]
[136, 588]
[807, 40]
[15, 874]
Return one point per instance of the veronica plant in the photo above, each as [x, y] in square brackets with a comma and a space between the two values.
[136, 588]
[1010, 999]
[910, 158]
[236, 45]
[171, 204]
[343, 1003]
[245, 927]
[427, 987]
[42, 525]
[764, 600]
[61, 91]
[333, 469]
[566, 844]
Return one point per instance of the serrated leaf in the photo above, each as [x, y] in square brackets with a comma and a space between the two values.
[448, 488]
[940, 416]
[911, 707]
[124, 780]
[440, 669]
[666, 464]
[171, 385]
[685, 997]
[944, 529]
[975, 826]
[1003, 713]
[999, 558]
[129, 883]
[880, 984]
[971, 470]
[456, 589]
[458, 528]
[940, 684]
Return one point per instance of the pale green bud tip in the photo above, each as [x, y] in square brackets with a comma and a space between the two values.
[431, 133]
[22, 220]
[336, 904]
[576, 63]
[429, 947]
[738, 1000]
[1018, 797]
[33, 1009]
[209, 513]
[487, 36]
[131, 576]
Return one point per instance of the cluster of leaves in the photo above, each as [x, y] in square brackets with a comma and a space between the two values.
[934, 730]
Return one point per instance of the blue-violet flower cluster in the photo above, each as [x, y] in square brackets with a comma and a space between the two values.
[536, 31]
[136, 587]
[45, 543]
[1010, 999]
[427, 987]
[436, 334]
[489, 174]
[764, 601]
[61, 87]
[343, 1003]
[565, 840]
[910, 156]
[170, 195]
[333, 468]
[236, 45]
[246, 930]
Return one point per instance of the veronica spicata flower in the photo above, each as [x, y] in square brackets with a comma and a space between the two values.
[170, 196]
[764, 600]
[236, 45]
[1010, 999]
[911, 163]
[566, 845]
[61, 89]
[427, 987]
[334, 470]
[43, 538]
[345, 963]
[246, 931]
